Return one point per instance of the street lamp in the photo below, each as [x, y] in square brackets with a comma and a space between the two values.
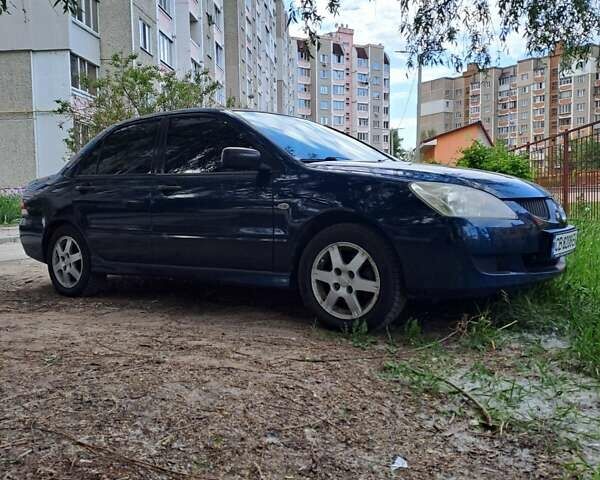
[419, 74]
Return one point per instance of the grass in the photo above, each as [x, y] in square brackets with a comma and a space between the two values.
[10, 209]
[569, 305]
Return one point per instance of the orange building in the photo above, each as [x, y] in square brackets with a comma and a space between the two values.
[446, 147]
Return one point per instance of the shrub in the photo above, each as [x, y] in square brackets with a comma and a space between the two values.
[10, 208]
[496, 159]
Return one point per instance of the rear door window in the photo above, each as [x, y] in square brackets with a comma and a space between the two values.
[129, 150]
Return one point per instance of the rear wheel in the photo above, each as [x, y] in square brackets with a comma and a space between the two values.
[348, 274]
[69, 264]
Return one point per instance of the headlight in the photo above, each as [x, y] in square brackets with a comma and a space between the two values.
[458, 201]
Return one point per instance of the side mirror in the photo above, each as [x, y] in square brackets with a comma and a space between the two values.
[241, 159]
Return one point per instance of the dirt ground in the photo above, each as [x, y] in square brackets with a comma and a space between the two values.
[161, 379]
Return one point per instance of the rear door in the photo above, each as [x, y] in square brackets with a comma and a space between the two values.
[204, 216]
[113, 190]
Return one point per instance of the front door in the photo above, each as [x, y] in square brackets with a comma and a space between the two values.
[202, 215]
[112, 194]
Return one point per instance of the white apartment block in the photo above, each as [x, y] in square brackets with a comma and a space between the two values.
[345, 85]
[517, 104]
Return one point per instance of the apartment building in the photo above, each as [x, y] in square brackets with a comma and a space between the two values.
[345, 85]
[517, 104]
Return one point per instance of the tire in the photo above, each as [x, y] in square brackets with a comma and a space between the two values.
[69, 264]
[376, 286]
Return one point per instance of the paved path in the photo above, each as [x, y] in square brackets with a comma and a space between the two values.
[11, 251]
[9, 234]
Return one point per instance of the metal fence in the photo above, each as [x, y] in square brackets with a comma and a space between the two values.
[568, 165]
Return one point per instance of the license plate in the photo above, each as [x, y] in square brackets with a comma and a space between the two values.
[563, 243]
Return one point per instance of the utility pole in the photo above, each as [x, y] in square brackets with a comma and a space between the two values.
[419, 76]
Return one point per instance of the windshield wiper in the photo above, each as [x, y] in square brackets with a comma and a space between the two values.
[325, 159]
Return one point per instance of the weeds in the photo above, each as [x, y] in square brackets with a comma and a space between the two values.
[10, 209]
[359, 335]
[569, 305]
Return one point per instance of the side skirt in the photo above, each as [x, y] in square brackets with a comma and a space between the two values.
[211, 275]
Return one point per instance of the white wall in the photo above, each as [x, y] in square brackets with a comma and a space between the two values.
[51, 81]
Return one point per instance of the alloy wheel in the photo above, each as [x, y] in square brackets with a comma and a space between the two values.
[345, 280]
[67, 261]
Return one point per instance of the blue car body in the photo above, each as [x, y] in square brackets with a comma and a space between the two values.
[251, 227]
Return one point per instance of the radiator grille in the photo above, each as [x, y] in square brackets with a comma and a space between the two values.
[536, 206]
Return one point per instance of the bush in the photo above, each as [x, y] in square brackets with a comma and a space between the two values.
[496, 159]
[10, 208]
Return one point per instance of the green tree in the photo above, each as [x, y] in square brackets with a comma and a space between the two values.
[67, 5]
[397, 149]
[496, 159]
[130, 90]
[455, 32]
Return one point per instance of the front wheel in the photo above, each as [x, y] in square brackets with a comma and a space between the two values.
[69, 264]
[349, 274]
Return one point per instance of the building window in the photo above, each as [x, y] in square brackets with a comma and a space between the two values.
[145, 36]
[338, 89]
[362, 107]
[363, 136]
[338, 105]
[375, 123]
[376, 80]
[324, 120]
[581, 93]
[324, 104]
[375, 108]
[87, 13]
[218, 19]
[338, 120]
[524, 76]
[363, 122]
[376, 95]
[165, 49]
[219, 55]
[196, 68]
[323, 57]
[165, 5]
[580, 120]
[303, 103]
[564, 109]
[303, 72]
[338, 74]
[580, 107]
[362, 77]
[376, 65]
[83, 75]
[324, 90]
[566, 81]
[565, 94]
[324, 74]
[362, 62]
[362, 92]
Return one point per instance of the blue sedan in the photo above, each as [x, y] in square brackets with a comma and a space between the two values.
[269, 200]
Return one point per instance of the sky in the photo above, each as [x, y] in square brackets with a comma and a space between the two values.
[376, 21]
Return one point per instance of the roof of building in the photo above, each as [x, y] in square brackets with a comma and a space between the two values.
[477, 123]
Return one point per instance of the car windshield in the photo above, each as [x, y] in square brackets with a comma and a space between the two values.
[310, 142]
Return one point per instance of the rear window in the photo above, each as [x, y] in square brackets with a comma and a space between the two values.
[129, 150]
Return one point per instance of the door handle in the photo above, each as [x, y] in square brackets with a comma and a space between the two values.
[84, 188]
[166, 189]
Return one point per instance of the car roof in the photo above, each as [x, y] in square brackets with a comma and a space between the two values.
[196, 110]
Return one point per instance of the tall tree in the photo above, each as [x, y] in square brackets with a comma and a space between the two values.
[457, 32]
[398, 150]
[66, 5]
[129, 90]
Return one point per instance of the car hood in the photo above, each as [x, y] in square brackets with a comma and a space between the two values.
[502, 186]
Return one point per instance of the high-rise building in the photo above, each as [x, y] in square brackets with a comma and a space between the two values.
[517, 104]
[345, 85]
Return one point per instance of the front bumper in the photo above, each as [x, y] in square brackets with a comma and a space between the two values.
[462, 258]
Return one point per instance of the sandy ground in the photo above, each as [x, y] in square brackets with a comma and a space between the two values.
[162, 379]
